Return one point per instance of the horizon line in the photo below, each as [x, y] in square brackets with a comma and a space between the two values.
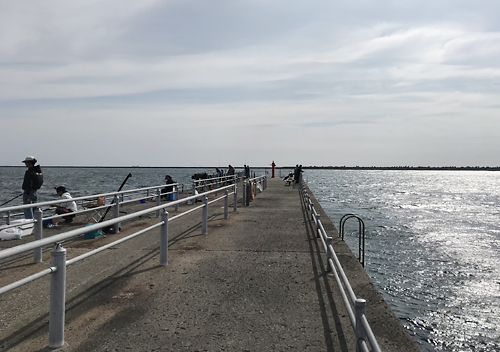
[285, 167]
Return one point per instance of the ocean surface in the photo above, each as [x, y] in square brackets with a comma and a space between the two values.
[432, 238]
[432, 248]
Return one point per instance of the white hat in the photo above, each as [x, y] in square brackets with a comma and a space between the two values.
[29, 158]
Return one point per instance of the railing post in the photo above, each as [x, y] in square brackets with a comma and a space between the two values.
[116, 213]
[248, 191]
[317, 225]
[244, 193]
[158, 200]
[235, 202]
[360, 310]
[176, 197]
[57, 297]
[164, 239]
[329, 254]
[204, 219]
[38, 235]
[226, 203]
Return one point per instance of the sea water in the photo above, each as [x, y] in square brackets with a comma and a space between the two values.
[432, 248]
[432, 238]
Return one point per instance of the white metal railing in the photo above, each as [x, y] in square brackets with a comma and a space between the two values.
[204, 184]
[117, 198]
[58, 253]
[259, 184]
[358, 319]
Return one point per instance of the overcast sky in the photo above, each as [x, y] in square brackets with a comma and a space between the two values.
[218, 82]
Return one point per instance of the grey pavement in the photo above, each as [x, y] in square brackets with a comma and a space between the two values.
[256, 282]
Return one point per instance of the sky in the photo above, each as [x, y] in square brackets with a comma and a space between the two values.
[218, 82]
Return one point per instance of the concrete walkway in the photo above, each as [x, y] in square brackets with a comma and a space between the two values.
[256, 282]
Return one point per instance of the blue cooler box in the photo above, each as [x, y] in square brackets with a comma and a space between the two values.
[92, 234]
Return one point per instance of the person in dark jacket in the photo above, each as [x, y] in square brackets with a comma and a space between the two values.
[168, 181]
[33, 180]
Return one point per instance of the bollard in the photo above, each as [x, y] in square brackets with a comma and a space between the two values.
[226, 203]
[57, 296]
[235, 202]
[164, 239]
[204, 219]
[38, 235]
[116, 213]
[360, 309]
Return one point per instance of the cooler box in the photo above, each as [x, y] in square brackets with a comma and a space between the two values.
[92, 234]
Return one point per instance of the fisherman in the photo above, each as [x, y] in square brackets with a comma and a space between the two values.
[33, 180]
[65, 207]
[168, 181]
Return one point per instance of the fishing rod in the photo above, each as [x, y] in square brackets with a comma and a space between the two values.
[119, 189]
[11, 199]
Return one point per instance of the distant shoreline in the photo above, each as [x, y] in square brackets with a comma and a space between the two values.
[424, 168]
[396, 168]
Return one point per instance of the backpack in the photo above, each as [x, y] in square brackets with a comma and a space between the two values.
[37, 179]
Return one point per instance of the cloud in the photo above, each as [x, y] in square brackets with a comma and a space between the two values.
[371, 79]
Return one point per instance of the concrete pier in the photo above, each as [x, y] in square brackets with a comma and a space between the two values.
[256, 281]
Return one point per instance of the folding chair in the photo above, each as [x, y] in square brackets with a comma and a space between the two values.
[96, 209]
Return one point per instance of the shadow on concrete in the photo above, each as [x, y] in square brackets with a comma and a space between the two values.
[40, 325]
[320, 272]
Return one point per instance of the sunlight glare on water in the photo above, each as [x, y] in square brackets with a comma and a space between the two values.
[433, 241]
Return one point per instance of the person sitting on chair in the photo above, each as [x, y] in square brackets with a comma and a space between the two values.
[65, 207]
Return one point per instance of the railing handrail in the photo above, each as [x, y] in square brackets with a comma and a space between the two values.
[59, 262]
[358, 320]
[93, 196]
[204, 182]
[5, 253]
[258, 178]
[215, 178]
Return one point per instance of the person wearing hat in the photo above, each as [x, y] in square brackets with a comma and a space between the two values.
[33, 180]
[65, 207]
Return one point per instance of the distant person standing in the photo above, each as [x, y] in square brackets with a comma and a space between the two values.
[296, 174]
[33, 180]
[168, 181]
[299, 173]
[230, 171]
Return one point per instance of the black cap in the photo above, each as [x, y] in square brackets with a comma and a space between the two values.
[61, 189]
